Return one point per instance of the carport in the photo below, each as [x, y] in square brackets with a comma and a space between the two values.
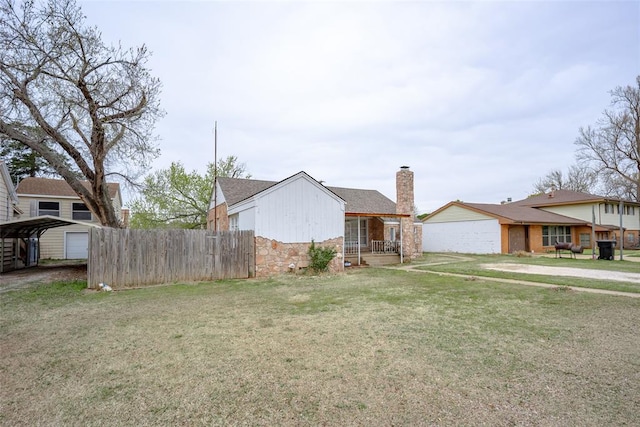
[23, 236]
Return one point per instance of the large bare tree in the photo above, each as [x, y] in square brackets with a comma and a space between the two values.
[612, 146]
[87, 108]
[578, 178]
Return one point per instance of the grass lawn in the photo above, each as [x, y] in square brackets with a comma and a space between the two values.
[368, 347]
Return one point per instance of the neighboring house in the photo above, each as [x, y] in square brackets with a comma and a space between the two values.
[55, 198]
[532, 225]
[9, 211]
[287, 215]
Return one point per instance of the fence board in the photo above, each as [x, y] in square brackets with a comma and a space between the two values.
[126, 258]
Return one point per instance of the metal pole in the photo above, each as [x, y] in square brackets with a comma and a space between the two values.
[359, 261]
[401, 243]
[215, 176]
[593, 232]
[621, 208]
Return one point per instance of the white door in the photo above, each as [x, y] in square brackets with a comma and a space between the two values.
[77, 244]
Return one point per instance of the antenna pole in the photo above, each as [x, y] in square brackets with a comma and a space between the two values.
[215, 176]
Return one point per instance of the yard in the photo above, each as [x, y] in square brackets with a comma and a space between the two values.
[368, 347]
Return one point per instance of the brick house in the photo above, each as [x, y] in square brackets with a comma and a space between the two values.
[364, 226]
[532, 224]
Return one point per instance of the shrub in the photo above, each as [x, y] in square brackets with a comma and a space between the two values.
[522, 254]
[319, 258]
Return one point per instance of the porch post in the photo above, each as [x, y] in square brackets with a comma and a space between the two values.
[401, 244]
[359, 240]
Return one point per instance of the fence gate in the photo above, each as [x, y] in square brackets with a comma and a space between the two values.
[127, 258]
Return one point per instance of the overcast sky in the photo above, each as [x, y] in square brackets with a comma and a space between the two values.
[479, 98]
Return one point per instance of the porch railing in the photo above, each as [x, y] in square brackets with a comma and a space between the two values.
[385, 247]
[351, 248]
[375, 247]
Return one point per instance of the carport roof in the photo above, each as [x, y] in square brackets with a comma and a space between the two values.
[24, 228]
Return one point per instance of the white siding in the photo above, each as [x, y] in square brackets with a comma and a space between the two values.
[478, 237]
[456, 213]
[582, 212]
[6, 208]
[298, 210]
[247, 219]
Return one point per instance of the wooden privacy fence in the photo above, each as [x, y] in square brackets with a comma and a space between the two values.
[125, 258]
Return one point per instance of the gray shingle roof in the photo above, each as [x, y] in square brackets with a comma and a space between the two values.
[523, 214]
[563, 197]
[55, 187]
[238, 189]
[364, 201]
[356, 200]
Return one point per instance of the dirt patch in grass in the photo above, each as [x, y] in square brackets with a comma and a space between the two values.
[43, 274]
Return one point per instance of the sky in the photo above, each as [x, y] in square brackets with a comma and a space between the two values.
[480, 99]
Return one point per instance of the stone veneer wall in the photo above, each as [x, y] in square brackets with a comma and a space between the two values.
[274, 257]
[405, 206]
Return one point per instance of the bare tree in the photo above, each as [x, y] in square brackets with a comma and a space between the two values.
[578, 178]
[612, 147]
[87, 108]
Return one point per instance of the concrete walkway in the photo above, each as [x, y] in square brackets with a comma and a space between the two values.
[414, 268]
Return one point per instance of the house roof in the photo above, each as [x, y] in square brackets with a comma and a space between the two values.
[357, 201]
[565, 197]
[522, 214]
[56, 187]
[238, 189]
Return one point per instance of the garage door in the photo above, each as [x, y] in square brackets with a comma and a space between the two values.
[476, 237]
[76, 245]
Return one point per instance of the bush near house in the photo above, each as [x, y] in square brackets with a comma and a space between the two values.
[319, 257]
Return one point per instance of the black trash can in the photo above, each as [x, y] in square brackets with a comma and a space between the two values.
[606, 249]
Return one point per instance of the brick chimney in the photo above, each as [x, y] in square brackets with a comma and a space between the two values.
[125, 217]
[405, 206]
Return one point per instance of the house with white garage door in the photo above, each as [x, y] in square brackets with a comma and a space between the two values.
[492, 229]
[40, 197]
[533, 224]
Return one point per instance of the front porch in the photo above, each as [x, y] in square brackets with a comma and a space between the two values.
[375, 239]
[376, 253]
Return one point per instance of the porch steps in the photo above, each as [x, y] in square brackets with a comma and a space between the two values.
[374, 260]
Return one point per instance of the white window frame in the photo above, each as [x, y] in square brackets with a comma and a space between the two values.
[51, 212]
[74, 211]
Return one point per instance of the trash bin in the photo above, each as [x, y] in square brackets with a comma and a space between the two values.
[606, 249]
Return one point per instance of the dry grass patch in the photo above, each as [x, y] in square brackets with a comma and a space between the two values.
[371, 347]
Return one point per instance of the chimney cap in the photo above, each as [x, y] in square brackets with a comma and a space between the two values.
[404, 167]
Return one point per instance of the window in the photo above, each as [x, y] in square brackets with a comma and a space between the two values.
[585, 240]
[392, 234]
[553, 233]
[630, 210]
[49, 208]
[80, 212]
[233, 223]
[351, 231]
